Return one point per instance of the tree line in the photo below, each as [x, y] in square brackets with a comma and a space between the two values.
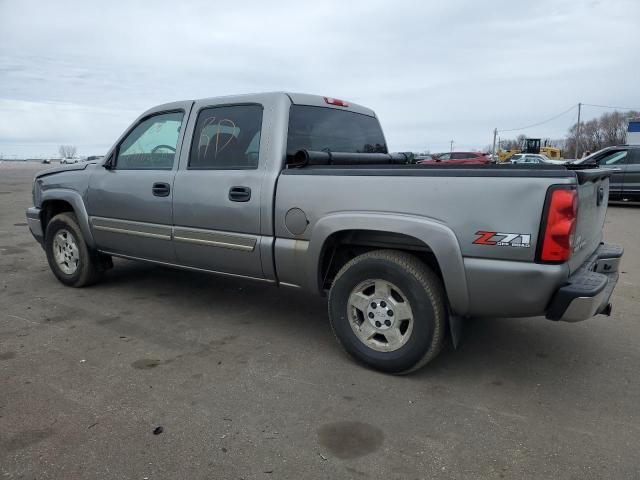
[67, 151]
[608, 129]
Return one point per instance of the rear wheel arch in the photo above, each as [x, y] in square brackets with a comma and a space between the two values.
[430, 238]
[342, 246]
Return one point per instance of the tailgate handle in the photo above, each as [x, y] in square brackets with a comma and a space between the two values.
[239, 194]
[600, 196]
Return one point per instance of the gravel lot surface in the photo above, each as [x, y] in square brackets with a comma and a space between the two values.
[246, 381]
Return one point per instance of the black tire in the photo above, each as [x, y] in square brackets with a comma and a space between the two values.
[90, 266]
[423, 290]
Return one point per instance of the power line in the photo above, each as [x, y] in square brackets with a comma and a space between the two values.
[563, 113]
[609, 106]
[540, 123]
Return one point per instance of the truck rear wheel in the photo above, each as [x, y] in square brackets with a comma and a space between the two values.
[387, 309]
[69, 258]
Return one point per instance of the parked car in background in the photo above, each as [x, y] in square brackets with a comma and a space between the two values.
[458, 158]
[529, 158]
[70, 160]
[94, 158]
[535, 158]
[624, 160]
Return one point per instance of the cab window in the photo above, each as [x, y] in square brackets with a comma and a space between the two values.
[227, 137]
[333, 130]
[614, 158]
[152, 144]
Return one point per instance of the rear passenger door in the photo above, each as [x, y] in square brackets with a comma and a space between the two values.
[616, 160]
[217, 191]
[632, 174]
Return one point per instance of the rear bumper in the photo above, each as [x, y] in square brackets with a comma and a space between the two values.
[589, 289]
[35, 225]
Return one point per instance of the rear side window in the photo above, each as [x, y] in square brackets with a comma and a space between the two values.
[152, 144]
[329, 129]
[614, 158]
[227, 138]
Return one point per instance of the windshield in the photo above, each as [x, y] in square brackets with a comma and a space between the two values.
[329, 129]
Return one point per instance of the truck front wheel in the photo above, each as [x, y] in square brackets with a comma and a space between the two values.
[69, 258]
[387, 309]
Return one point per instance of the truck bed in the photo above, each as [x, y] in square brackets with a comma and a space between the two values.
[461, 200]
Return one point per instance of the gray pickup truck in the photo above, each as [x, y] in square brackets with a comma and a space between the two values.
[299, 191]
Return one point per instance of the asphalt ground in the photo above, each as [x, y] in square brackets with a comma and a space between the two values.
[247, 381]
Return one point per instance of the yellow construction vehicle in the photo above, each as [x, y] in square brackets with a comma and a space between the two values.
[553, 153]
[505, 155]
[531, 145]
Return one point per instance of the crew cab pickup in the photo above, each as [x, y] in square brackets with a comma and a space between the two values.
[300, 191]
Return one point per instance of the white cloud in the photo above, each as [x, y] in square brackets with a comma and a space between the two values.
[433, 71]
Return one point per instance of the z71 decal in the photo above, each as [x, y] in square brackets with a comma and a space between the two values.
[521, 240]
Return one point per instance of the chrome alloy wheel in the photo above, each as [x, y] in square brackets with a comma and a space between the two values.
[380, 315]
[65, 252]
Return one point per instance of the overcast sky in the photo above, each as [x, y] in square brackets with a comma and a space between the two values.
[79, 71]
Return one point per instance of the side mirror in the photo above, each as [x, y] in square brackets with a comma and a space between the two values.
[108, 164]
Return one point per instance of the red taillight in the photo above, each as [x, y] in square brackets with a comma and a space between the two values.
[336, 102]
[560, 225]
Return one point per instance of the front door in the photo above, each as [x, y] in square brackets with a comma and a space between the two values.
[130, 200]
[217, 191]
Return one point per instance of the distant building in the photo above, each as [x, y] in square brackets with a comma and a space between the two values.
[633, 132]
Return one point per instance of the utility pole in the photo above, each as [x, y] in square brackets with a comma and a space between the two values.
[451, 150]
[578, 131]
[493, 150]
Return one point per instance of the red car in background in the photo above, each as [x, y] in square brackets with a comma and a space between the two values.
[457, 158]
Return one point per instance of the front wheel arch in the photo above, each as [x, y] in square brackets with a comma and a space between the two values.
[65, 199]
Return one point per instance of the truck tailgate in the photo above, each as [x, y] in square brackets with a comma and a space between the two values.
[593, 193]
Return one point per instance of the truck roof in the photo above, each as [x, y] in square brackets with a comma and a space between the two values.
[295, 98]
